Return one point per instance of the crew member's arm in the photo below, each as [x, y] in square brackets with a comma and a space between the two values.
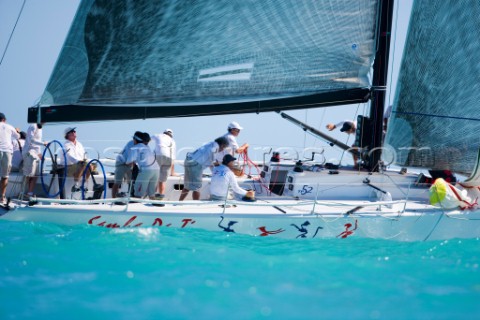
[242, 149]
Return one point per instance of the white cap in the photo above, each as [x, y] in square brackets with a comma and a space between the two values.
[234, 125]
[168, 131]
[68, 129]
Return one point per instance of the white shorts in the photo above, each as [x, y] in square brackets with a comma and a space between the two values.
[165, 164]
[193, 175]
[5, 164]
[146, 183]
[30, 165]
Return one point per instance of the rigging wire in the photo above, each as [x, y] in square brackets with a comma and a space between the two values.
[320, 125]
[304, 132]
[13, 30]
[348, 136]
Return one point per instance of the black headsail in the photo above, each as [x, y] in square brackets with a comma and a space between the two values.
[158, 58]
[436, 115]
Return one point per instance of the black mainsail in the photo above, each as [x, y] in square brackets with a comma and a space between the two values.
[158, 58]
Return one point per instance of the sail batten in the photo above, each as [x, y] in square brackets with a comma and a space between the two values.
[213, 52]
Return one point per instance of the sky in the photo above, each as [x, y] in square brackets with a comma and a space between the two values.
[34, 47]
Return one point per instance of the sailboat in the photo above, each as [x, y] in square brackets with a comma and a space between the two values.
[153, 59]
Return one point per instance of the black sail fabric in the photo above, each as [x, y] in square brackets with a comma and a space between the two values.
[187, 58]
[436, 116]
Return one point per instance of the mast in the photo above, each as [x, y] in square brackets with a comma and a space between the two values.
[379, 82]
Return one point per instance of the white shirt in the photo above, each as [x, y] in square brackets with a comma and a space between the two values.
[164, 145]
[340, 124]
[7, 135]
[222, 179]
[232, 142]
[33, 142]
[125, 153]
[231, 149]
[74, 151]
[144, 157]
[205, 154]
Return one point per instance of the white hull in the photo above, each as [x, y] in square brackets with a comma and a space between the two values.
[281, 219]
[312, 205]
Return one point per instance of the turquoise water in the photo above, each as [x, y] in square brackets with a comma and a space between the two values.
[60, 272]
